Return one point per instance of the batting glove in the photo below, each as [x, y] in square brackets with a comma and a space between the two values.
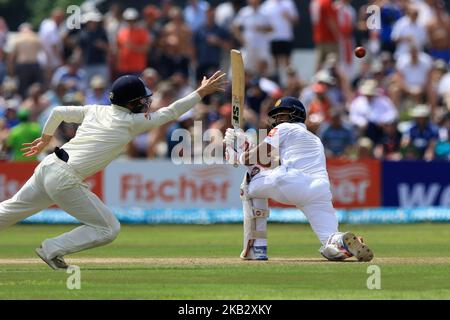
[243, 144]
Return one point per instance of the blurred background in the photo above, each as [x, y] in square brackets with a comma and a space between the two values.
[383, 119]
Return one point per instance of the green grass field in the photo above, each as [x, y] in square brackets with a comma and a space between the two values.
[201, 262]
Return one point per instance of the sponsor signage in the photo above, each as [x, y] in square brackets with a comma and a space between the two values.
[161, 184]
[416, 184]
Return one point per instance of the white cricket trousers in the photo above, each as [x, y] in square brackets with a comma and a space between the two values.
[312, 195]
[55, 182]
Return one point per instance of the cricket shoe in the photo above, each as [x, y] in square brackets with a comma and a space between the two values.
[54, 263]
[256, 253]
[356, 246]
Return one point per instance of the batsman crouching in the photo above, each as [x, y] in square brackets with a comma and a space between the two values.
[301, 180]
[103, 132]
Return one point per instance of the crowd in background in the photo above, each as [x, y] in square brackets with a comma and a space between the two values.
[393, 104]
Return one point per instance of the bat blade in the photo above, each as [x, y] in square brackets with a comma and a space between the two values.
[237, 89]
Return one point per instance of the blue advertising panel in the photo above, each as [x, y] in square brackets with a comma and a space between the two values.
[415, 184]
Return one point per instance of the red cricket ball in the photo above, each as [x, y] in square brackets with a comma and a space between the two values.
[360, 52]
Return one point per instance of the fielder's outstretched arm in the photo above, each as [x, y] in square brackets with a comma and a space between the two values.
[71, 114]
[144, 122]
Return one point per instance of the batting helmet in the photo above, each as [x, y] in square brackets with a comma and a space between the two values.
[128, 88]
[296, 109]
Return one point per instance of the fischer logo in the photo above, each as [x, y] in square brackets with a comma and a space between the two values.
[199, 185]
[350, 183]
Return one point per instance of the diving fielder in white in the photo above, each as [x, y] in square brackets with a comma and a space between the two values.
[103, 133]
[301, 180]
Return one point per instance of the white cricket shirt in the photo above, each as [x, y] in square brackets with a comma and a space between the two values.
[105, 130]
[298, 148]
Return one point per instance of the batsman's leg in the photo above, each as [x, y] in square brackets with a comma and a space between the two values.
[256, 212]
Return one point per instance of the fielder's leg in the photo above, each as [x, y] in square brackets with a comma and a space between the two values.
[256, 212]
[99, 227]
[30, 199]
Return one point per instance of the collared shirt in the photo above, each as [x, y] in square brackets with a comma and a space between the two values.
[106, 130]
[250, 20]
[298, 148]
[378, 110]
[282, 27]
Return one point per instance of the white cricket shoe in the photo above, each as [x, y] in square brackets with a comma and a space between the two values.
[255, 253]
[54, 263]
[357, 247]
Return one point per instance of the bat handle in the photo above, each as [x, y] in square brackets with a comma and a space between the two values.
[235, 148]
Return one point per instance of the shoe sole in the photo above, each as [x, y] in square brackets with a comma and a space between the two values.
[360, 250]
[41, 255]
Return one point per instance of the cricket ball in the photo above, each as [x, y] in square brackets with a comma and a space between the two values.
[360, 52]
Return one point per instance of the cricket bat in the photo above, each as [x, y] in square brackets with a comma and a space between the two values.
[237, 91]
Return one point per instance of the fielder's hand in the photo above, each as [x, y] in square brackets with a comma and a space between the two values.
[214, 84]
[36, 147]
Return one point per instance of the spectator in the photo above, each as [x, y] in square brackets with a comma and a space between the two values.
[151, 15]
[413, 74]
[24, 58]
[442, 149]
[166, 95]
[337, 138]
[364, 149]
[112, 22]
[195, 14]
[72, 74]
[151, 78]
[436, 75]
[133, 43]
[177, 47]
[438, 29]
[284, 15]
[389, 145]
[9, 97]
[50, 36]
[180, 85]
[325, 29]
[407, 33]
[35, 103]
[252, 27]
[210, 42]
[55, 97]
[294, 85]
[3, 32]
[346, 20]
[390, 13]
[333, 92]
[421, 138]
[370, 110]
[25, 131]
[93, 43]
[319, 108]
[185, 122]
[98, 92]
[226, 12]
